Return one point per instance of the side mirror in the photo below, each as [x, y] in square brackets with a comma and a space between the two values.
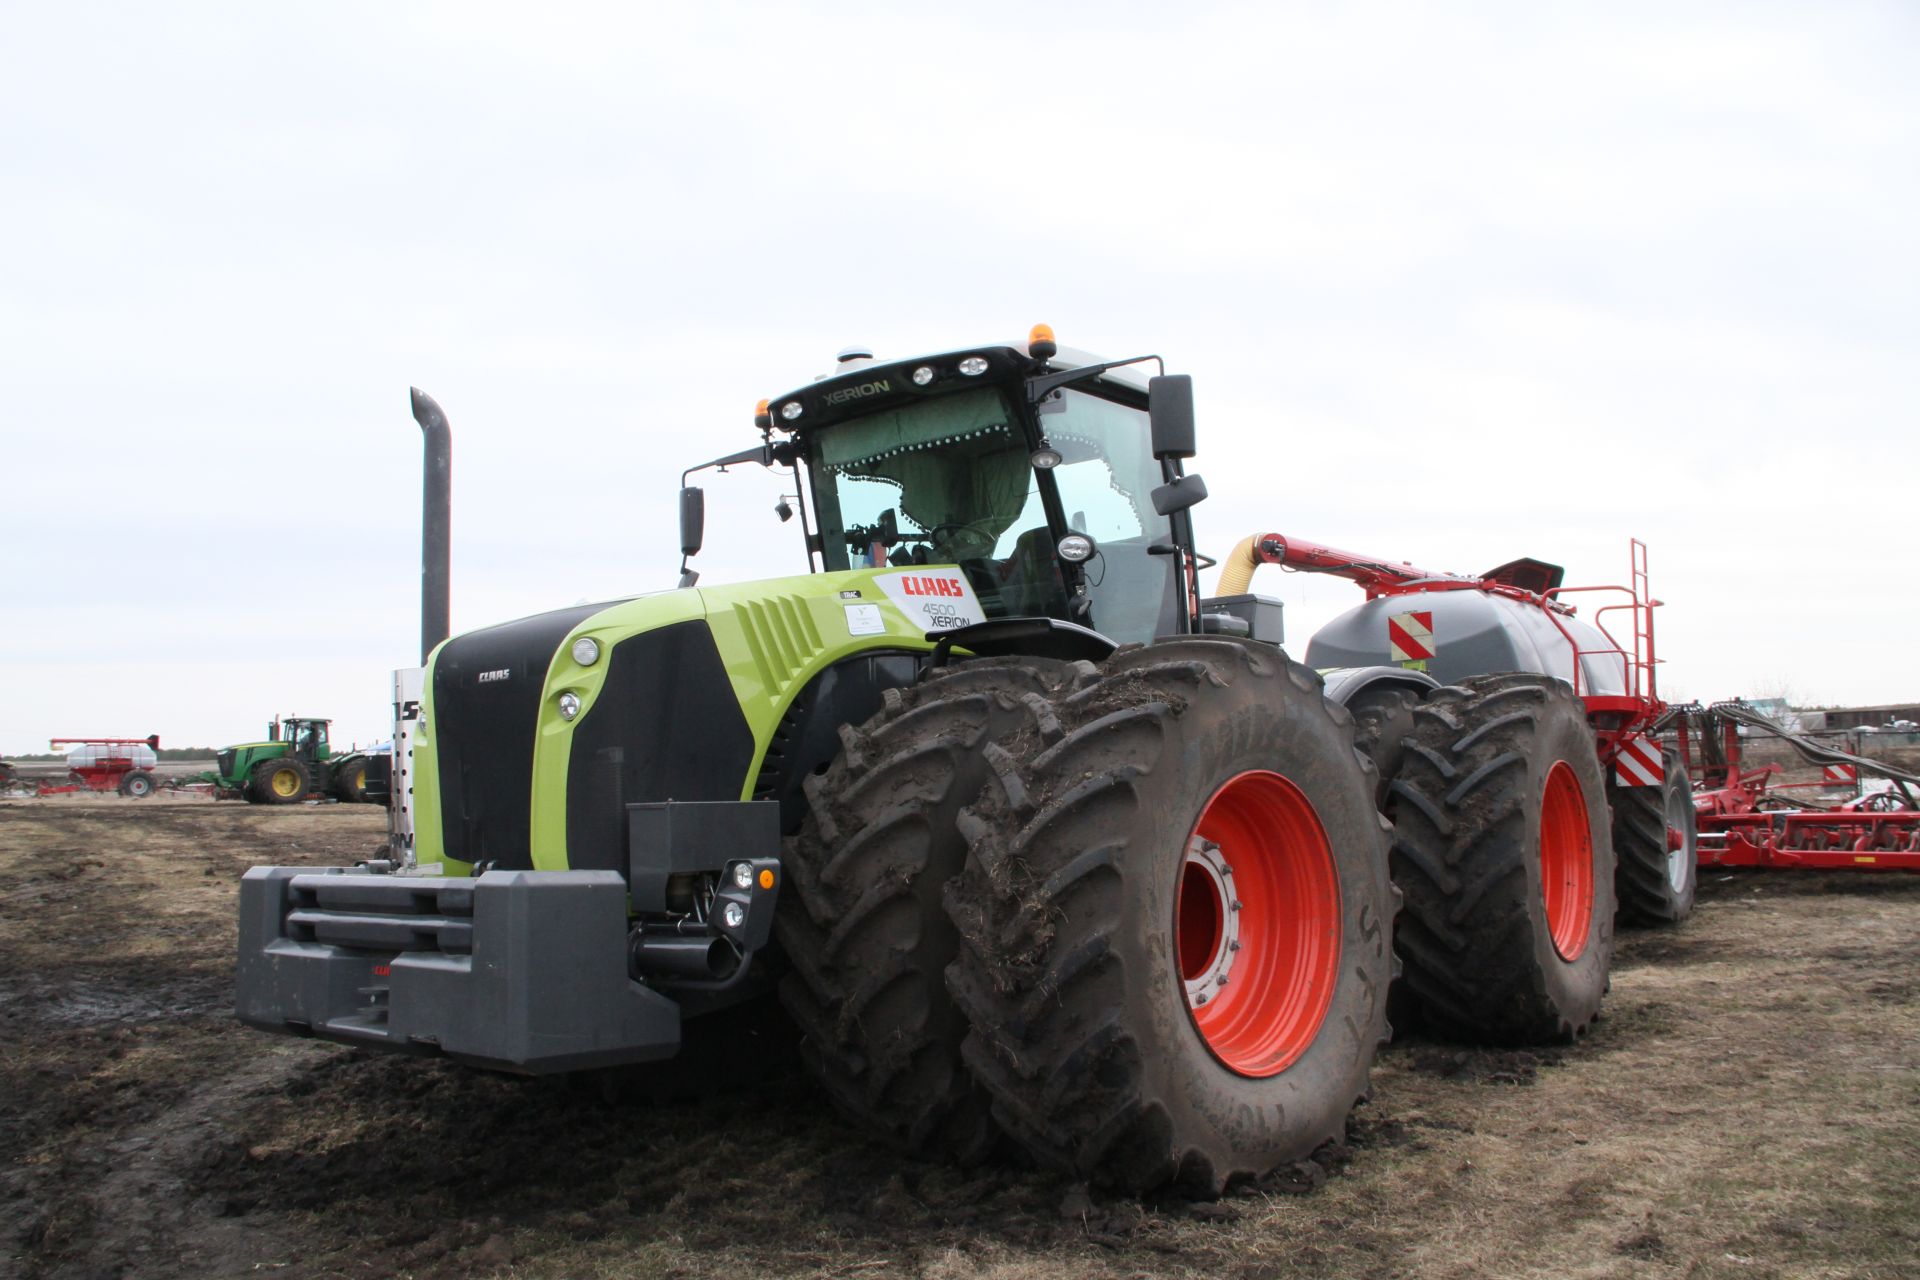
[1170, 410]
[693, 519]
[1178, 495]
[889, 527]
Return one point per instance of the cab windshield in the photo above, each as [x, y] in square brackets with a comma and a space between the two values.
[945, 480]
[950, 480]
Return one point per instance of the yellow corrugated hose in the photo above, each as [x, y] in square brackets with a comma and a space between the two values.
[1236, 571]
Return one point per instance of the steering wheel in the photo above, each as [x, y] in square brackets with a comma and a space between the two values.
[957, 541]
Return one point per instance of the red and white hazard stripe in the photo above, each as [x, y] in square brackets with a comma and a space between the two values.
[1639, 763]
[1841, 773]
[1410, 636]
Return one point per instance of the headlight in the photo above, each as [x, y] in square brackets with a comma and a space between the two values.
[790, 410]
[733, 915]
[569, 705]
[974, 366]
[743, 875]
[586, 651]
[1075, 548]
[1046, 457]
[923, 375]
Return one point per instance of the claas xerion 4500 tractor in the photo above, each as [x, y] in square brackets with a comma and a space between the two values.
[1030, 838]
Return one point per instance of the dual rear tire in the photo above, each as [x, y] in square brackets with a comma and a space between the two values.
[1164, 953]
[1503, 851]
[1175, 921]
[861, 922]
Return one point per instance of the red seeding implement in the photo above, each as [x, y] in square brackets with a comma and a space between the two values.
[107, 764]
[1745, 822]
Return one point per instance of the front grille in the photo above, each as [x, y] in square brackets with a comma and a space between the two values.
[485, 712]
[223, 763]
[665, 726]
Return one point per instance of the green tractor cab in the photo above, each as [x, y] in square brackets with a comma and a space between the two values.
[295, 763]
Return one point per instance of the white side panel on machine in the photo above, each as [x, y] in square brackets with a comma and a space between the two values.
[408, 682]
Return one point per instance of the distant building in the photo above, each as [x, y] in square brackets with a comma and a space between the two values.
[1861, 717]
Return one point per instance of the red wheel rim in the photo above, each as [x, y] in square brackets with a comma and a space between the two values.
[1566, 862]
[1257, 924]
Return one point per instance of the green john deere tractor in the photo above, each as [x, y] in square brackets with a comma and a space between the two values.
[1030, 839]
[294, 763]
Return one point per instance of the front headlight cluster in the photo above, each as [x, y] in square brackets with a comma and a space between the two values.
[585, 651]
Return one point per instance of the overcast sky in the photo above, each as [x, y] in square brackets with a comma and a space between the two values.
[1456, 284]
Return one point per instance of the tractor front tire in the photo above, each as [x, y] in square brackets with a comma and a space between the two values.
[1656, 842]
[861, 920]
[137, 785]
[281, 781]
[1176, 922]
[1502, 850]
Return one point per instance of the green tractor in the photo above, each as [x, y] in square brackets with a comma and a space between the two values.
[295, 763]
[1030, 840]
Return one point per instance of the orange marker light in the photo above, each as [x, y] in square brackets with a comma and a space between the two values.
[766, 878]
[761, 418]
[1040, 343]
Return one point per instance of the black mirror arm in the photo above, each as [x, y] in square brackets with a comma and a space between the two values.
[760, 453]
[1044, 385]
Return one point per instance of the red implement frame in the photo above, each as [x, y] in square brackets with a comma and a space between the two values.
[1745, 823]
[1616, 718]
[103, 774]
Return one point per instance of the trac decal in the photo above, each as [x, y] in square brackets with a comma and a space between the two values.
[933, 599]
[1639, 763]
[1410, 639]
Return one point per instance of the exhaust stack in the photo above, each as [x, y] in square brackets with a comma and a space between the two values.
[436, 525]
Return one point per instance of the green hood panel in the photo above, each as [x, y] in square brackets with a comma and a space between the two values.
[773, 636]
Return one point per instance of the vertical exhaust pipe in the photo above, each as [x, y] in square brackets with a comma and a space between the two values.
[436, 526]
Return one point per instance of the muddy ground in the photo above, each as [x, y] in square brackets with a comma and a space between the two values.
[1750, 1106]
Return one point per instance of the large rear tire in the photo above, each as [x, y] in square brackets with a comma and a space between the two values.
[1656, 843]
[350, 780]
[861, 919]
[1176, 921]
[1502, 849]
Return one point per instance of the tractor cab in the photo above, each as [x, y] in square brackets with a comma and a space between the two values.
[1051, 479]
[305, 737]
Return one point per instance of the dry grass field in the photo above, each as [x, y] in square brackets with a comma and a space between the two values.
[1749, 1107]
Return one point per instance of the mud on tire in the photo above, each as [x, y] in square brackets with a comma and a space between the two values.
[861, 921]
[1655, 885]
[1382, 723]
[1493, 949]
[1077, 915]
